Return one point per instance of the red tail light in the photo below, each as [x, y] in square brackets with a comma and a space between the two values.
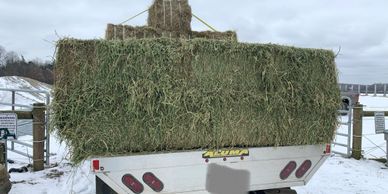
[328, 149]
[303, 169]
[132, 183]
[291, 166]
[96, 165]
[152, 181]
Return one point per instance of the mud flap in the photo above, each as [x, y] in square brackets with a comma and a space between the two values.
[103, 188]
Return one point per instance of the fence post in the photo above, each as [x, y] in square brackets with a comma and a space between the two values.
[38, 133]
[47, 131]
[13, 108]
[5, 184]
[366, 90]
[375, 90]
[357, 131]
[359, 89]
[385, 89]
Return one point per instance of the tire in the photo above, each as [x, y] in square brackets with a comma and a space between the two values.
[345, 106]
[275, 191]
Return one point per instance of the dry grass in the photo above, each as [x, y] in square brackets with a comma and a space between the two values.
[170, 16]
[157, 95]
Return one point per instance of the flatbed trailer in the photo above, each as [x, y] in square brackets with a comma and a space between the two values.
[255, 170]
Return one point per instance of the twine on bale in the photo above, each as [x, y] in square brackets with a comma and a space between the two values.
[133, 17]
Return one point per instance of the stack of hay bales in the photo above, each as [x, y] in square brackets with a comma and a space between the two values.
[124, 32]
[145, 95]
[171, 19]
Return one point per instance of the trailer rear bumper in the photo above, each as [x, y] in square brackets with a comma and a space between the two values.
[188, 172]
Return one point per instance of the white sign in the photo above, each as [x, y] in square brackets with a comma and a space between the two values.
[9, 121]
[379, 122]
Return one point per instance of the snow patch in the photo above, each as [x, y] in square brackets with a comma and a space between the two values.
[15, 82]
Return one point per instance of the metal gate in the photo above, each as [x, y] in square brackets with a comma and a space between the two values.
[13, 105]
[343, 136]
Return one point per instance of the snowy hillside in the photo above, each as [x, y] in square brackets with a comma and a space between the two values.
[338, 175]
[15, 82]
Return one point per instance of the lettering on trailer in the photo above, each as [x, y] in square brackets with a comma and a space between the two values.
[9, 121]
[379, 122]
[225, 153]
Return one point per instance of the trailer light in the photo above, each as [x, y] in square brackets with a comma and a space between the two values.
[290, 167]
[152, 181]
[306, 165]
[96, 165]
[328, 149]
[132, 183]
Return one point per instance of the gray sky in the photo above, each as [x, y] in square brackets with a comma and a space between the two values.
[359, 27]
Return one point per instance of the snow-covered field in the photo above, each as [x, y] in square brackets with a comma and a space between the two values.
[15, 82]
[337, 176]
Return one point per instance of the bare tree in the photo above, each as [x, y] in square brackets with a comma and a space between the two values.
[2, 55]
[11, 57]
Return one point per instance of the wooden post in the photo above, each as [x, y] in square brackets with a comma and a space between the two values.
[2, 153]
[38, 136]
[357, 131]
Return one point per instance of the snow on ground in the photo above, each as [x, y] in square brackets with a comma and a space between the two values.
[21, 97]
[374, 103]
[61, 177]
[337, 175]
[348, 176]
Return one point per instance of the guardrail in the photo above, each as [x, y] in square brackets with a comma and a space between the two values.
[365, 89]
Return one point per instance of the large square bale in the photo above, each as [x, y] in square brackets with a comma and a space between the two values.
[159, 95]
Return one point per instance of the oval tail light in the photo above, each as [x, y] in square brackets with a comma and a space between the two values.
[152, 181]
[302, 170]
[132, 183]
[290, 167]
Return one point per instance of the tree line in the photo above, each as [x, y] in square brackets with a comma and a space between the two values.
[13, 64]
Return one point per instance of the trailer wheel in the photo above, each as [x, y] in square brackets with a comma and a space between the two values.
[275, 191]
[256, 192]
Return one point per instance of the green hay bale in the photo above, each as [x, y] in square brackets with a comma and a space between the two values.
[159, 95]
[171, 16]
[124, 32]
[228, 35]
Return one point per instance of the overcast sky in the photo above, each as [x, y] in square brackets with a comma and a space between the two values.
[359, 27]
